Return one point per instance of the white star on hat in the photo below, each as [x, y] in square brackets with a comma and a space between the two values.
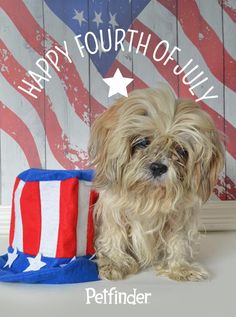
[118, 84]
[35, 263]
[11, 257]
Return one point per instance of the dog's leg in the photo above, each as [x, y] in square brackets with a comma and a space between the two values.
[113, 260]
[177, 265]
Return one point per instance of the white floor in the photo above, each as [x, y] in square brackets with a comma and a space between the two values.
[212, 298]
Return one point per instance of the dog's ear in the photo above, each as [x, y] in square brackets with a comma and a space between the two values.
[207, 170]
[101, 144]
[99, 135]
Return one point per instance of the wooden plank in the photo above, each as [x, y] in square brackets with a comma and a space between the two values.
[161, 24]
[229, 28]
[69, 108]
[98, 88]
[13, 162]
[23, 142]
[196, 38]
[0, 156]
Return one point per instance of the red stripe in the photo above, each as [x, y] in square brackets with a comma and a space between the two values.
[12, 225]
[230, 10]
[230, 189]
[219, 190]
[58, 141]
[36, 37]
[171, 5]
[31, 217]
[66, 247]
[15, 127]
[90, 227]
[227, 189]
[190, 18]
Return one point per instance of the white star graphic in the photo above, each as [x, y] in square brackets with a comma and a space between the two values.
[79, 16]
[98, 19]
[118, 84]
[113, 20]
[35, 263]
[11, 257]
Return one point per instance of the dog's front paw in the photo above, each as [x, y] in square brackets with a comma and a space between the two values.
[185, 272]
[109, 270]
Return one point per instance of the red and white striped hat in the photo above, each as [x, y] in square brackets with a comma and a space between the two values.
[52, 213]
[51, 233]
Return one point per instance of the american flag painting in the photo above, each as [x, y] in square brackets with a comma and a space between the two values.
[52, 131]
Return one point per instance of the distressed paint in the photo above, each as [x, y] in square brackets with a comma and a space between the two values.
[53, 130]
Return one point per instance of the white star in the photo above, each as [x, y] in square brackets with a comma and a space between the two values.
[35, 263]
[113, 20]
[98, 19]
[11, 257]
[118, 84]
[79, 16]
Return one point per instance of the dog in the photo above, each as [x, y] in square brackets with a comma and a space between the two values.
[157, 159]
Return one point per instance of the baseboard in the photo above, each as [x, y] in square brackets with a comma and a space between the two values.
[5, 216]
[215, 216]
[218, 216]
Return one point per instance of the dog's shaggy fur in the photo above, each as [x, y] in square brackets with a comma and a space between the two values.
[157, 160]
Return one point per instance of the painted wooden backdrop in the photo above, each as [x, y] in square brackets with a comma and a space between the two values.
[52, 131]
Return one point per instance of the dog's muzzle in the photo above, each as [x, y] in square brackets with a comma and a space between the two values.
[158, 169]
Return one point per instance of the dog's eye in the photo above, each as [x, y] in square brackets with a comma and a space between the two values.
[182, 152]
[141, 143]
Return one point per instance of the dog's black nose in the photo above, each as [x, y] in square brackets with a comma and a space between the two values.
[158, 169]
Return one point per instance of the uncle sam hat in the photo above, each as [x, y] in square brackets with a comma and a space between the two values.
[51, 232]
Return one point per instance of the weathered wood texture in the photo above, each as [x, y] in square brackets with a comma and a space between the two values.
[53, 130]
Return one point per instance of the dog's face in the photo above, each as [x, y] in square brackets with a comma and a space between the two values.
[150, 142]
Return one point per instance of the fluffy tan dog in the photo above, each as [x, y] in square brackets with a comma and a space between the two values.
[157, 160]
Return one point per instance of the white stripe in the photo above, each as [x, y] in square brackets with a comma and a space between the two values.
[10, 149]
[18, 234]
[84, 197]
[211, 11]
[50, 213]
[70, 123]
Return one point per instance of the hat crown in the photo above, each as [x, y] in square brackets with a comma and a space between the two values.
[52, 213]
